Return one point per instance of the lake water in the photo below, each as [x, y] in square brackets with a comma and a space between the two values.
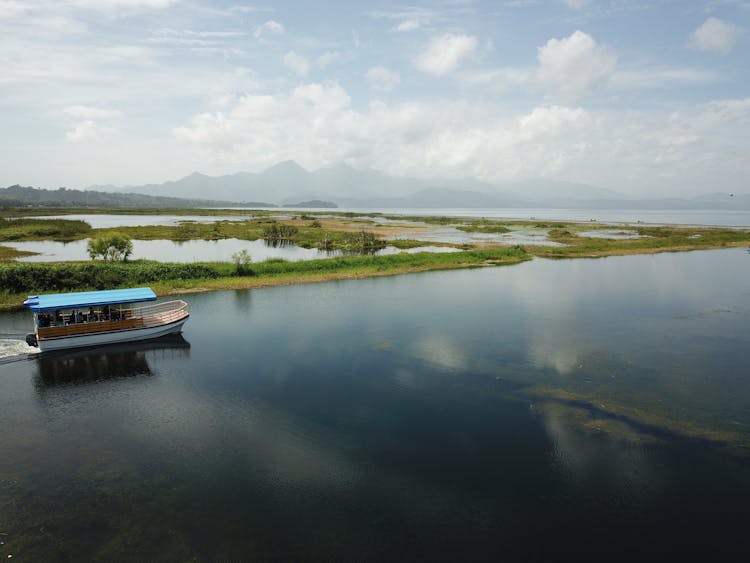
[585, 409]
[451, 235]
[110, 220]
[193, 250]
[723, 218]
[726, 218]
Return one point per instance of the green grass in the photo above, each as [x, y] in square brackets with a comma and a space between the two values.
[405, 244]
[42, 229]
[18, 280]
[241, 229]
[484, 227]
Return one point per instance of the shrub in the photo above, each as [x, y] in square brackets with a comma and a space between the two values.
[362, 241]
[325, 243]
[279, 232]
[113, 248]
[30, 277]
[242, 261]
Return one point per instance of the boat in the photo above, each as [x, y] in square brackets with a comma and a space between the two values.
[92, 318]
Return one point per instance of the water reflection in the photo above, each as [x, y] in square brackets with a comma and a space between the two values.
[172, 251]
[109, 221]
[197, 250]
[280, 243]
[89, 365]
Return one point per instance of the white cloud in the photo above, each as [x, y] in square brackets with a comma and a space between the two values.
[574, 66]
[498, 80]
[715, 36]
[248, 9]
[405, 14]
[271, 27]
[408, 25]
[316, 124]
[445, 53]
[90, 112]
[664, 77]
[12, 8]
[298, 64]
[87, 124]
[577, 4]
[325, 59]
[382, 78]
[83, 131]
[634, 151]
[120, 3]
[548, 121]
[302, 66]
[104, 6]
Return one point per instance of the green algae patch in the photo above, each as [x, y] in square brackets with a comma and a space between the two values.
[630, 422]
[592, 422]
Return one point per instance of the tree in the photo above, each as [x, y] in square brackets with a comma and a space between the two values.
[242, 262]
[114, 248]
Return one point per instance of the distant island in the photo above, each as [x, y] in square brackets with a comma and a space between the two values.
[314, 204]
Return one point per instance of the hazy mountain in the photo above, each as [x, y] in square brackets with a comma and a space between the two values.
[289, 183]
[432, 198]
[23, 196]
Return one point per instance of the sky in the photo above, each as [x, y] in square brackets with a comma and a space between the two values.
[649, 98]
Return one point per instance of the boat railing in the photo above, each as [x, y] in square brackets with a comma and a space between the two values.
[138, 317]
[161, 313]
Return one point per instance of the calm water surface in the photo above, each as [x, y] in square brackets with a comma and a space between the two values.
[726, 218]
[595, 409]
[112, 220]
[194, 250]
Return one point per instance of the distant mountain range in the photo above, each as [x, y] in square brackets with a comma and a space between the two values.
[287, 183]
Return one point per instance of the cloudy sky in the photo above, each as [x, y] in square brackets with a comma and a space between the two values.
[645, 97]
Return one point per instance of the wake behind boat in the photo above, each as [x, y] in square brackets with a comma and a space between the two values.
[91, 318]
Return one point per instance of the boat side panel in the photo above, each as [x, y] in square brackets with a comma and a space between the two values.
[111, 337]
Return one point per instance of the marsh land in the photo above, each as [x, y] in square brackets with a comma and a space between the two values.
[299, 247]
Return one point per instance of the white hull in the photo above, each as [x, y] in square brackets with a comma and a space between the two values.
[111, 337]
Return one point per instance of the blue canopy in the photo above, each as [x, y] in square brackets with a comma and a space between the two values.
[38, 303]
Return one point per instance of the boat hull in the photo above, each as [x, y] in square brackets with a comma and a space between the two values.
[111, 337]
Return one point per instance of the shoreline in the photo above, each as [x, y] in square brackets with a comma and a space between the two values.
[272, 274]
